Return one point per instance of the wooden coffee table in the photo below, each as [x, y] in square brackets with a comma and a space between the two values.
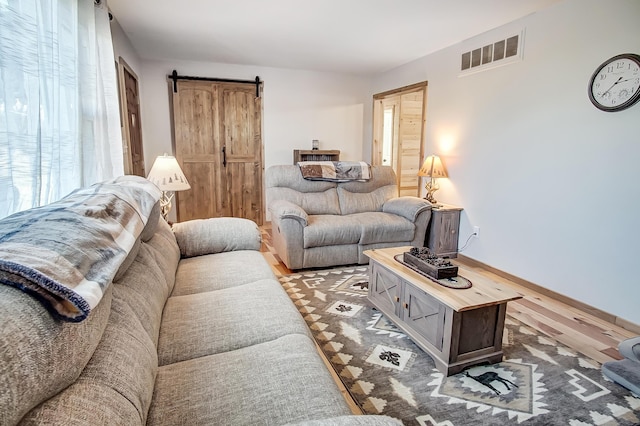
[458, 328]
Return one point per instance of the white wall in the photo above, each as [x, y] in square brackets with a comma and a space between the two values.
[122, 47]
[298, 106]
[552, 182]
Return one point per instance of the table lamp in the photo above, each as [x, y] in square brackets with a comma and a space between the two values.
[167, 175]
[432, 168]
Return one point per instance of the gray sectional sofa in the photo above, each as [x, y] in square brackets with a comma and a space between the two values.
[194, 330]
[320, 223]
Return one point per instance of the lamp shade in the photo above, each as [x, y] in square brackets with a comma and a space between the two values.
[432, 167]
[167, 175]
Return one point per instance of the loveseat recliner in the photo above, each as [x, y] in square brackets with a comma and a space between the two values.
[322, 223]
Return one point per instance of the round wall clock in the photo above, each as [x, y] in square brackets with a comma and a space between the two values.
[615, 85]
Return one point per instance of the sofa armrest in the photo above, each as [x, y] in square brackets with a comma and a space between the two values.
[216, 235]
[288, 222]
[282, 209]
[407, 207]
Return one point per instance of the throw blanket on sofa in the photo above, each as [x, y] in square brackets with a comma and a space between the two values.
[335, 171]
[66, 253]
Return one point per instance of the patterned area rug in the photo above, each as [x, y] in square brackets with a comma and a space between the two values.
[540, 381]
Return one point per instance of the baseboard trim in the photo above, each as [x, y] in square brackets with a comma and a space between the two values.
[598, 313]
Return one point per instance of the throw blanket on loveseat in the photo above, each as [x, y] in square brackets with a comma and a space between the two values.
[68, 270]
[335, 171]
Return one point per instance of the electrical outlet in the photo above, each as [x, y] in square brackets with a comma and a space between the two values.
[476, 231]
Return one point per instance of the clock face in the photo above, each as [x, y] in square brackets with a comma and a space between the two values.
[616, 83]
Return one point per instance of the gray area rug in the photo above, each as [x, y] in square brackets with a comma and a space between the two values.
[540, 381]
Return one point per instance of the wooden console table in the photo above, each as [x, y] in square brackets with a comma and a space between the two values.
[458, 328]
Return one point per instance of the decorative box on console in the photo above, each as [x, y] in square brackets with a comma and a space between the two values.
[425, 261]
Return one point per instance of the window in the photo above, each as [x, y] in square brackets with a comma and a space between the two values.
[59, 120]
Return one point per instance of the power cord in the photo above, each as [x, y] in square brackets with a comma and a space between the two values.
[467, 242]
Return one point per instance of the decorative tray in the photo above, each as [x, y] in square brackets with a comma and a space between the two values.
[430, 263]
[457, 282]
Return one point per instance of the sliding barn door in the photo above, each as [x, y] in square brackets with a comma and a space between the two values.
[218, 143]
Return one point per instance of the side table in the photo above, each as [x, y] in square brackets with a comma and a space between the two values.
[442, 232]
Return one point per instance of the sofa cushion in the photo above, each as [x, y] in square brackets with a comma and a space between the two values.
[322, 202]
[149, 280]
[379, 227]
[280, 381]
[380, 176]
[163, 252]
[218, 271]
[126, 359]
[328, 230]
[244, 315]
[120, 375]
[32, 371]
[290, 176]
[144, 289]
[84, 403]
[359, 202]
[207, 236]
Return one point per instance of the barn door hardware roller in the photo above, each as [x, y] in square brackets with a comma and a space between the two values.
[175, 77]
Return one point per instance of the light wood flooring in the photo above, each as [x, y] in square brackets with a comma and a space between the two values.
[583, 332]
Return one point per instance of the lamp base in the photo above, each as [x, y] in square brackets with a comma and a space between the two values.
[431, 187]
[165, 204]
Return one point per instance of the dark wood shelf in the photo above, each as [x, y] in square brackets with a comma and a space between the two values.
[315, 155]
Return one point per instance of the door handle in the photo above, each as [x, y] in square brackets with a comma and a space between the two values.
[224, 155]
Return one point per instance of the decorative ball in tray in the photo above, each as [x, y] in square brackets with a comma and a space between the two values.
[427, 262]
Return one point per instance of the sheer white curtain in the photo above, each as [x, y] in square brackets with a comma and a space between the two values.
[59, 113]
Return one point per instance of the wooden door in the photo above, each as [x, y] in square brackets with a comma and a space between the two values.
[132, 130]
[410, 142]
[218, 143]
[399, 118]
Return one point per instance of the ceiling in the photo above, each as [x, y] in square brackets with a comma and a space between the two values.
[346, 36]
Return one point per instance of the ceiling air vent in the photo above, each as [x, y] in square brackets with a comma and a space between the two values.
[491, 55]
